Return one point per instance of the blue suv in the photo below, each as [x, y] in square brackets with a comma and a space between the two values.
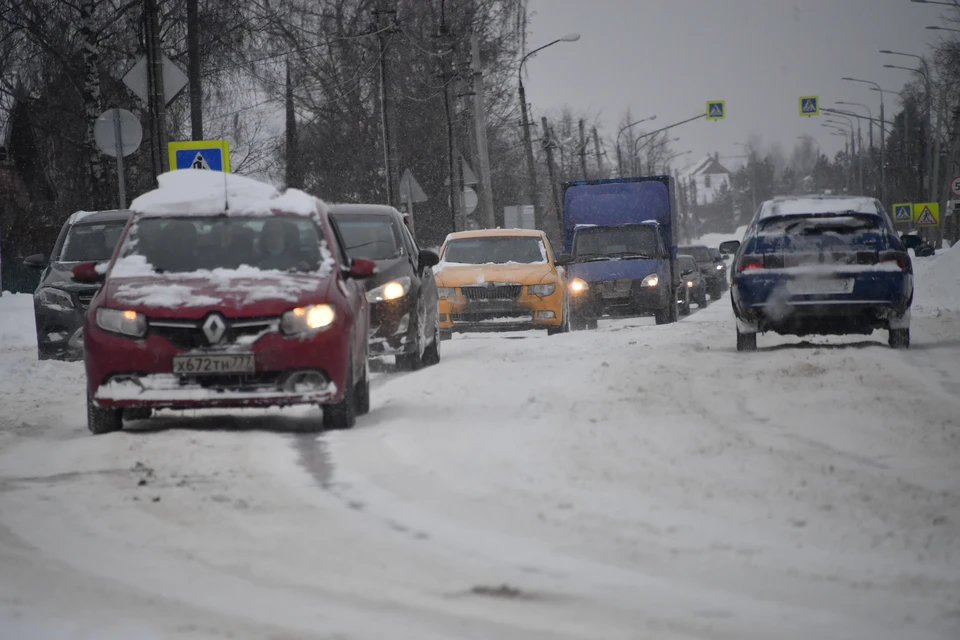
[821, 265]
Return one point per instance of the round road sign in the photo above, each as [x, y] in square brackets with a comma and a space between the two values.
[955, 186]
[113, 122]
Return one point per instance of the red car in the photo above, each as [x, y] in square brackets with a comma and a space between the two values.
[224, 293]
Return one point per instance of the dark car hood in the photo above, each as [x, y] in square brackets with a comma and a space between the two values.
[60, 275]
[388, 270]
[613, 269]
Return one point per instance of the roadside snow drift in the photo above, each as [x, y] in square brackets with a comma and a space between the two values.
[937, 282]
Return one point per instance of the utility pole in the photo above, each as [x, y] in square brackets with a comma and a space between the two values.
[158, 123]
[483, 152]
[532, 191]
[583, 150]
[294, 178]
[551, 169]
[390, 160]
[193, 69]
[446, 76]
[937, 135]
[596, 149]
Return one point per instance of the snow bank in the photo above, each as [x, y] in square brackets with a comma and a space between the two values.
[937, 283]
[714, 239]
[17, 326]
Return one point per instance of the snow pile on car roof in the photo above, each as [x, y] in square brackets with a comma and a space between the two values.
[814, 206]
[202, 192]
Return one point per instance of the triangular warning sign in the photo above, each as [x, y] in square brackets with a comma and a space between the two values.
[809, 106]
[926, 217]
[716, 111]
[199, 162]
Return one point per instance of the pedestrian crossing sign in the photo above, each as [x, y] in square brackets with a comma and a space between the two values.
[809, 105]
[903, 212]
[716, 110]
[926, 214]
[208, 155]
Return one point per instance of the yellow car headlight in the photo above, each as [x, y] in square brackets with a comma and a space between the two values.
[542, 289]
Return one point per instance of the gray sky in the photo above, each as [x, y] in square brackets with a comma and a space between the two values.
[668, 57]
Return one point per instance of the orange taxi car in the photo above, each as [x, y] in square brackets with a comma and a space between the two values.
[500, 280]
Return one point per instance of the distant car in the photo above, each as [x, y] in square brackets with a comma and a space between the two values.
[693, 281]
[223, 293]
[60, 302]
[404, 319]
[714, 270]
[501, 280]
[821, 265]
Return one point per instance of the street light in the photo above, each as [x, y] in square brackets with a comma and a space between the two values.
[869, 112]
[619, 155]
[637, 150]
[931, 188]
[883, 138]
[666, 162]
[944, 29]
[944, 4]
[525, 122]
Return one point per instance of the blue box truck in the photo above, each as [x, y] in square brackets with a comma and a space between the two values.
[620, 248]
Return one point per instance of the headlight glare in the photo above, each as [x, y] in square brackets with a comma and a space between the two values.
[316, 317]
[392, 290]
[578, 285]
[689, 284]
[50, 297]
[651, 280]
[447, 292]
[542, 289]
[125, 322]
[719, 267]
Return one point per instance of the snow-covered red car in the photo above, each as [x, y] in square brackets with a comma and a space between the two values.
[224, 293]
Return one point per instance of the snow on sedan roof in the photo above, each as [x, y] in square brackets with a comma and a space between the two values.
[814, 206]
[202, 192]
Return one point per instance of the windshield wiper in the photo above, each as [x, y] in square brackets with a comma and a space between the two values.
[631, 254]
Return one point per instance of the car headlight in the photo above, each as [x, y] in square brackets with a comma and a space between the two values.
[316, 317]
[390, 291]
[578, 285]
[447, 292]
[50, 297]
[689, 284]
[124, 322]
[651, 280]
[542, 289]
[720, 267]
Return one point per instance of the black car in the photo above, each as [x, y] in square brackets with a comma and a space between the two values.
[59, 302]
[404, 316]
[712, 268]
[692, 279]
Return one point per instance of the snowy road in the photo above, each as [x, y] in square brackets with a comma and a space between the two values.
[633, 482]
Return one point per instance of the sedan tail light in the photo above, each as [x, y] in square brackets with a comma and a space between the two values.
[750, 262]
[894, 256]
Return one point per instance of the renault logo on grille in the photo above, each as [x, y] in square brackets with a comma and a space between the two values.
[214, 328]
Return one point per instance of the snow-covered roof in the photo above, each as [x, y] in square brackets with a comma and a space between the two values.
[708, 165]
[812, 205]
[203, 192]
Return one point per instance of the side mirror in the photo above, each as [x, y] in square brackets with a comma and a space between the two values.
[86, 273]
[428, 258]
[37, 261]
[729, 247]
[564, 259]
[361, 269]
[911, 242]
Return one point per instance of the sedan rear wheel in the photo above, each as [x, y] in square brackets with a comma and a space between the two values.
[746, 341]
[899, 338]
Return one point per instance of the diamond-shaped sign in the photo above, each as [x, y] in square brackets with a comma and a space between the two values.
[174, 80]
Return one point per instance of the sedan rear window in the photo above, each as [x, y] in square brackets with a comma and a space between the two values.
[818, 224]
[91, 242]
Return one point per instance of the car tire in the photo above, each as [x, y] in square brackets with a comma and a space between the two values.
[564, 326]
[363, 390]
[446, 334]
[431, 355]
[414, 361]
[592, 324]
[899, 338]
[685, 307]
[662, 316]
[746, 341]
[101, 420]
[343, 414]
[702, 301]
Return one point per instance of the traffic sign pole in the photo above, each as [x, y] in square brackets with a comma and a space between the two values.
[121, 180]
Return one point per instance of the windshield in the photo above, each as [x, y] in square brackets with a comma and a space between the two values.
[817, 224]
[496, 250]
[687, 264]
[91, 242]
[179, 245]
[700, 254]
[373, 236]
[615, 242]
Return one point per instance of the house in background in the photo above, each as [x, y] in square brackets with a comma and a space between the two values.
[704, 179]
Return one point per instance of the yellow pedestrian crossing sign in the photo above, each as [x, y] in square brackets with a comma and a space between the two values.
[809, 105]
[716, 110]
[926, 214]
[903, 212]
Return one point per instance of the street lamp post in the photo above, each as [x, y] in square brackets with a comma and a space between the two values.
[931, 187]
[856, 152]
[525, 123]
[619, 154]
[666, 163]
[883, 139]
[838, 130]
[638, 149]
[869, 113]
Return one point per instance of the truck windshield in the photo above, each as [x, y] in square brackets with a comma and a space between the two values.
[598, 243]
[496, 250]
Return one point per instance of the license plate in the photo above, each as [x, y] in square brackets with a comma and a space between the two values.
[819, 286]
[615, 294]
[213, 365]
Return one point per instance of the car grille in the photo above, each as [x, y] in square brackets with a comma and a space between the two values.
[493, 317]
[491, 291]
[86, 297]
[189, 335]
